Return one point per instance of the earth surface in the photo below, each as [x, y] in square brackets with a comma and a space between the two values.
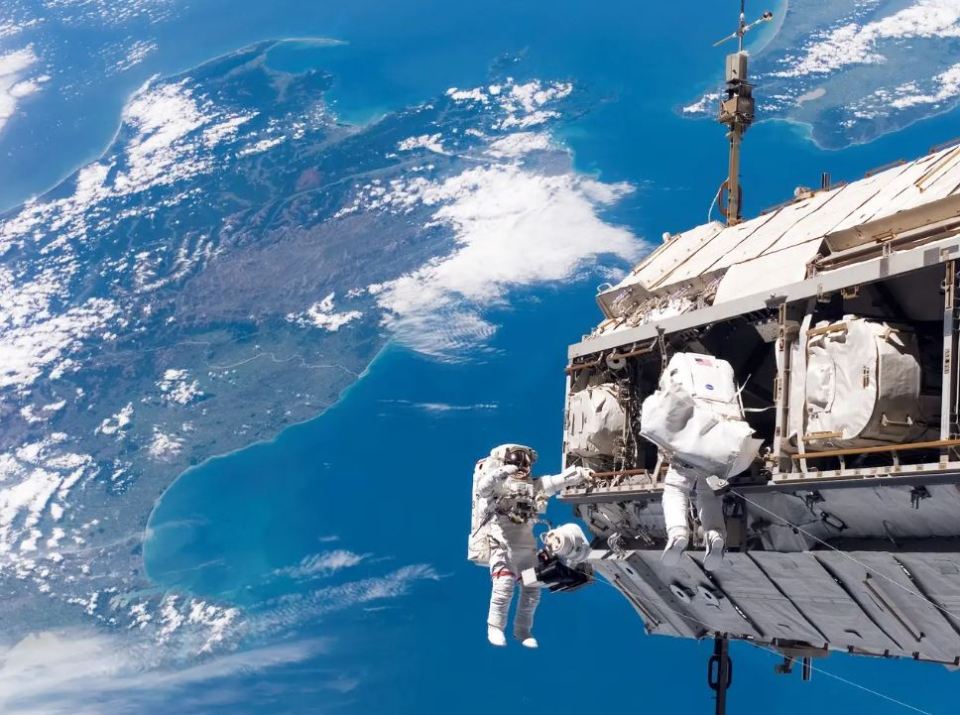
[273, 277]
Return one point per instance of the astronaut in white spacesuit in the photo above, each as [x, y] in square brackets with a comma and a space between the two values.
[697, 420]
[507, 503]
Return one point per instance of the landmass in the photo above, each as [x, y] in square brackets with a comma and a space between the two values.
[234, 261]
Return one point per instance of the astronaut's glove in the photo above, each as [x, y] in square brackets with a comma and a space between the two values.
[585, 474]
[500, 476]
[572, 476]
[569, 477]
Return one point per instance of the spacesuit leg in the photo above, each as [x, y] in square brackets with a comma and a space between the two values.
[710, 511]
[709, 508]
[526, 609]
[502, 579]
[676, 504]
[523, 555]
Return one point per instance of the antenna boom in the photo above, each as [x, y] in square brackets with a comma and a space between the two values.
[737, 112]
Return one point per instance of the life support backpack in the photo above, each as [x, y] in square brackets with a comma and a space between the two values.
[478, 543]
[695, 416]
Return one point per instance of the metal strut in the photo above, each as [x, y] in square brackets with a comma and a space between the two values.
[720, 673]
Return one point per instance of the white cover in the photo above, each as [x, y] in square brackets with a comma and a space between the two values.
[695, 417]
[767, 273]
[595, 419]
[862, 386]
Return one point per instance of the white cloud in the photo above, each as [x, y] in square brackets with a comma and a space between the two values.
[442, 407]
[430, 142]
[706, 103]
[946, 86]
[214, 620]
[164, 447]
[519, 143]
[522, 104]
[176, 387]
[8, 28]
[136, 53]
[13, 66]
[33, 337]
[467, 95]
[513, 228]
[513, 224]
[166, 146]
[852, 43]
[446, 407]
[290, 610]
[32, 416]
[322, 315]
[36, 479]
[325, 563]
[173, 131]
[533, 95]
[261, 146]
[115, 424]
[67, 672]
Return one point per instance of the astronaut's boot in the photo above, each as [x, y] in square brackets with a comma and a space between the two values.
[677, 540]
[713, 558]
[496, 636]
[529, 642]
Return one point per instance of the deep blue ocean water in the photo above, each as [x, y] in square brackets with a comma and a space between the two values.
[392, 479]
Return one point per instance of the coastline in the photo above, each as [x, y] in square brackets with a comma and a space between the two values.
[388, 348]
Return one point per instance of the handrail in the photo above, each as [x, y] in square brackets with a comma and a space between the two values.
[576, 367]
[622, 473]
[935, 444]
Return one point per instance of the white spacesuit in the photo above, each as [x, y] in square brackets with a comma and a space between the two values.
[507, 502]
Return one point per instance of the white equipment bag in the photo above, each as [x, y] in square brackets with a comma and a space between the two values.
[595, 420]
[696, 418]
[861, 386]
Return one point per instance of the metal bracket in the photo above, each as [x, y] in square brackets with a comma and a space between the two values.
[720, 673]
[918, 494]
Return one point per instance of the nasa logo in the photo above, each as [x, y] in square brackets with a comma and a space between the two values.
[708, 386]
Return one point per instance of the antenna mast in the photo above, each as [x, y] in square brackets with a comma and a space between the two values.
[736, 113]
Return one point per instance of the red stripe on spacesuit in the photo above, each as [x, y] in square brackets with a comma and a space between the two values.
[498, 574]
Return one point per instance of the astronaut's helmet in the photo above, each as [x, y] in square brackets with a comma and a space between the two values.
[516, 455]
[520, 458]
